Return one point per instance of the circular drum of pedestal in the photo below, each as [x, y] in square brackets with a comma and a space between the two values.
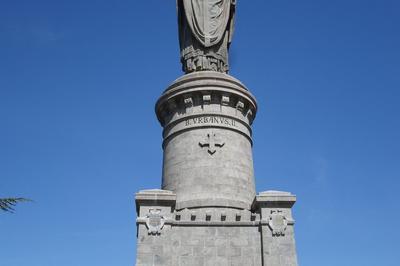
[208, 161]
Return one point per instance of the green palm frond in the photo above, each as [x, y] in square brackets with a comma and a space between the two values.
[8, 204]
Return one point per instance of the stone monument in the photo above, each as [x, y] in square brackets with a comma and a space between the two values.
[207, 211]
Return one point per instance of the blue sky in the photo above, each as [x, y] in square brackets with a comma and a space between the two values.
[78, 134]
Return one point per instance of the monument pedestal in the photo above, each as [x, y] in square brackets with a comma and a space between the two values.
[215, 236]
[207, 212]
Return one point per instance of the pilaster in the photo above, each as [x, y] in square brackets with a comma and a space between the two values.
[277, 227]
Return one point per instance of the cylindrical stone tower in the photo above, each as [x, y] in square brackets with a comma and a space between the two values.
[208, 161]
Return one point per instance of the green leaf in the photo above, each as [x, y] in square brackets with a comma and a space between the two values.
[8, 204]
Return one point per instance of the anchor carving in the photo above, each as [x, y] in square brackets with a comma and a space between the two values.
[212, 143]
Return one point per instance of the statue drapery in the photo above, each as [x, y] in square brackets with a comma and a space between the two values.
[205, 33]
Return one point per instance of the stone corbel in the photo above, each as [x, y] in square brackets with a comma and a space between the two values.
[206, 102]
[172, 106]
[225, 100]
[239, 107]
[188, 101]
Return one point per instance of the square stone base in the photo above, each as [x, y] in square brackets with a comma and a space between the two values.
[215, 236]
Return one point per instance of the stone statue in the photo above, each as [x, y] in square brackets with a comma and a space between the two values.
[205, 33]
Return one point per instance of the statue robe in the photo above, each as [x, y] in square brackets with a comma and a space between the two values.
[205, 32]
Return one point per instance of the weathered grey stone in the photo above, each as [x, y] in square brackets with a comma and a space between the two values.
[202, 243]
[207, 212]
[277, 223]
[208, 151]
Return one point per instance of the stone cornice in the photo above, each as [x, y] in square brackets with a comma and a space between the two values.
[217, 99]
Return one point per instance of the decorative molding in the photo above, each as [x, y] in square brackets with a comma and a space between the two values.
[206, 88]
[207, 217]
[206, 120]
[197, 103]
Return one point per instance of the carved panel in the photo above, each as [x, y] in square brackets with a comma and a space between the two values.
[154, 222]
[278, 223]
[212, 143]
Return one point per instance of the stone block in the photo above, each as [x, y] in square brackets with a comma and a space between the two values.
[191, 261]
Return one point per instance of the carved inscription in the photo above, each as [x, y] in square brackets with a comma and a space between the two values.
[216, 120]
